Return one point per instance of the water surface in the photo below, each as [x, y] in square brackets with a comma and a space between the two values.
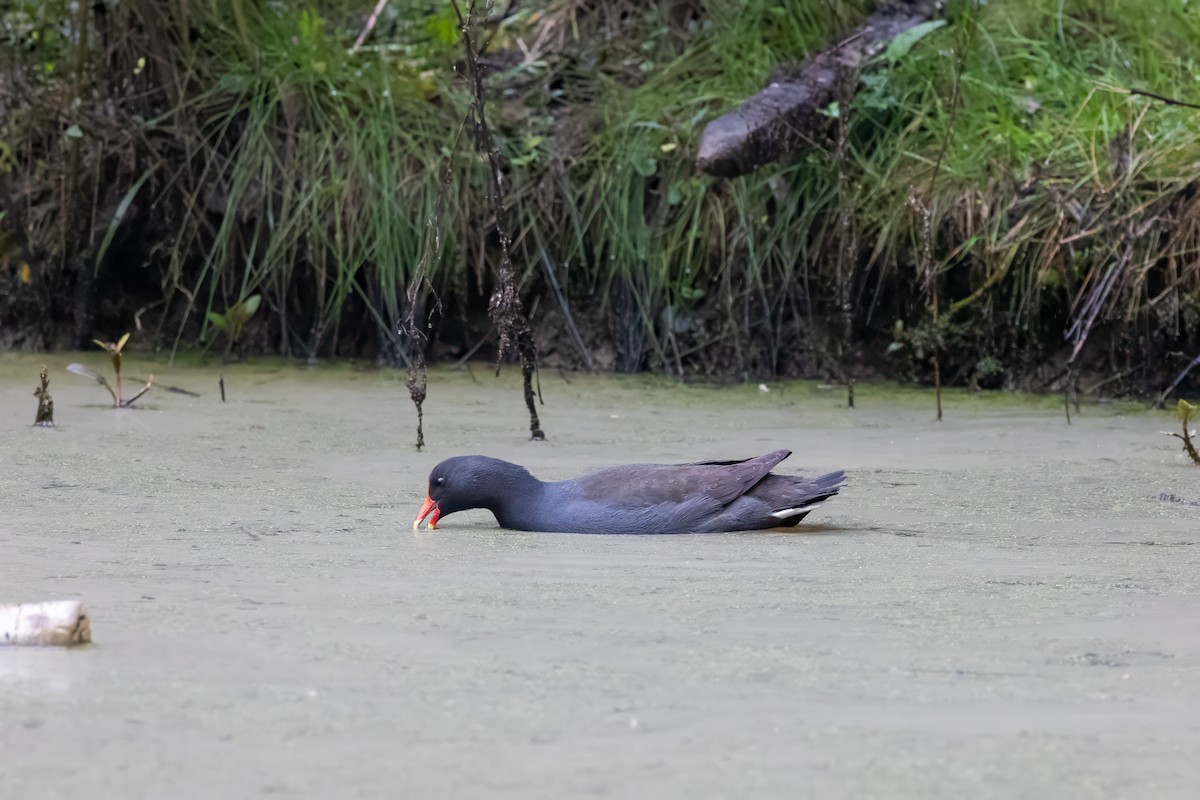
[997, 606]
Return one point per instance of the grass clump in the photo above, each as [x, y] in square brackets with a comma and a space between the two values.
[281, 162]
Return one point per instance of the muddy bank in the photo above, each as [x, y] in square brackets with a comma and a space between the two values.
[997, 606]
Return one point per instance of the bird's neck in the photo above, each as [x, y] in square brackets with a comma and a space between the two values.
[513, 496]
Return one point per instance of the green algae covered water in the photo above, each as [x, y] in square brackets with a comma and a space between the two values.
[999, 605]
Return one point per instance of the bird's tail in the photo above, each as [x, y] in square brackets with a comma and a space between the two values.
[806, 494]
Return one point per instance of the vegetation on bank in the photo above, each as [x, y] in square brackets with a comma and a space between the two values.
[165, 161]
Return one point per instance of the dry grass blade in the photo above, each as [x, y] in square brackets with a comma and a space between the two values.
[91, 374]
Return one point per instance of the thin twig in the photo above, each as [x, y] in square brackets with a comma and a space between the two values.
[371, 20]
[1185, 410]
[1171, 101]
[1095, 387]
[410, 337]
[1188, 447]
[930, 272]
[505, 305]
[1067, 393]
[471, 352]
[848, 246]
[1162, 398]
[87, 372]
[149, 383]
[562, 301]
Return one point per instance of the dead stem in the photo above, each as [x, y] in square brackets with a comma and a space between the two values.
[45, 411]
[505, 306]
[1162, 98]
[1185, 411]
[846, 229]
[929, 270]
[142, 391]
[1162, 398]
[417, 382]
[87, 372]
[114, 349]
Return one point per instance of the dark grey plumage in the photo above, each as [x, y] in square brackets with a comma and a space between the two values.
[699, 497]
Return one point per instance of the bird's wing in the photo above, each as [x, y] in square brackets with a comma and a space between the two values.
[639, 485]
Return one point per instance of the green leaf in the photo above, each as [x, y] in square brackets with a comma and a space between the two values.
[531, 151]
[876, 93]
[232, 83]
[904, 42]
[122, 208]
[218, 321]
[443, 28]
[239, 313]
[73, 132]
[646, 166]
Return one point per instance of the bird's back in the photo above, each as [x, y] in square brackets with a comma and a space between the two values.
[651, 498]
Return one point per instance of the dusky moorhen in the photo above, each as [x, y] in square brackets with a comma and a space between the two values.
[701, 497]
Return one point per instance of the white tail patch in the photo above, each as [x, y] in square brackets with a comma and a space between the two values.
[785, 513]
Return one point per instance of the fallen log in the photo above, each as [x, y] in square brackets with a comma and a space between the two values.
[60, 623]
[786, 116]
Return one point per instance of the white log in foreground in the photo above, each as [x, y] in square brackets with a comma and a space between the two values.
[59, 623]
